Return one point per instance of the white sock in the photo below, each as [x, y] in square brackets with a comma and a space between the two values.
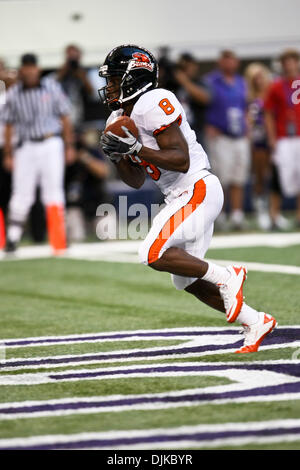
[248, 316]
[216, 274]
[14, 233]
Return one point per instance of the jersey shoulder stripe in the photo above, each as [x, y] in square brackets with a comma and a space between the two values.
[163, 128]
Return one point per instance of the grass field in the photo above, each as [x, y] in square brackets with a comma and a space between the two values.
[85, 372]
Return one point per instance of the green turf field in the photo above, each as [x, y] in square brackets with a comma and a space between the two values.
[54, 298]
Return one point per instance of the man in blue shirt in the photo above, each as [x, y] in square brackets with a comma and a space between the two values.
[226, 129]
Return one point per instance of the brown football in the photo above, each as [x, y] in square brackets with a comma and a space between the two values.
[116, 126]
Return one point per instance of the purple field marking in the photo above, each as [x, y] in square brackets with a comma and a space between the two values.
[124, 355]
[288, 388]
[161, 438]
[24, 342]
[289, 369]
[277, 337]
[280, 335]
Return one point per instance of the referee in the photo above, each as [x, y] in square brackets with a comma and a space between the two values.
[37, 110]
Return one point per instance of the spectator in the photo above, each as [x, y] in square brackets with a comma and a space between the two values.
[192, 93]
[75, 83]
[227, 143]
[85, 185]
[282, 117]
[258, 77]
[8, 76]
[166, 77]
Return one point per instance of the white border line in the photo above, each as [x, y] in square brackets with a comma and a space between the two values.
[191, 430]
[5, 367]
[120, 372]
[60, 338]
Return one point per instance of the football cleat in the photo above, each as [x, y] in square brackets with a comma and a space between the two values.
[232, 292]
[256, 333]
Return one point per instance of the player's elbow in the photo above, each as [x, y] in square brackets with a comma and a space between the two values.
[184, 165]
[138, 185]
[138, 182]
[185, 168]
[134, 183]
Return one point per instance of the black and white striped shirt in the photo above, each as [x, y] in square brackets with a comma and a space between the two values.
[36, 112]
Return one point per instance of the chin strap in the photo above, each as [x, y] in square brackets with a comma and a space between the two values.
[142, 90]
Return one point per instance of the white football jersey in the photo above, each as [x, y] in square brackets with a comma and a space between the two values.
[152, 113]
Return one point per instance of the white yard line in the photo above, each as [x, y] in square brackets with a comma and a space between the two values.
[204, 435]
[148, 407]
[98, 404]
[193, 443]
[107, 357]
[262, 267]
[133, 335]
[180, 369]
[127, 335]
[127, 249]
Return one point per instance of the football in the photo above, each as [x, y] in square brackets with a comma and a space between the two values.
[116, 126]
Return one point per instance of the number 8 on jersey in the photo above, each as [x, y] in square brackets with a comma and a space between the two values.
[166, 106]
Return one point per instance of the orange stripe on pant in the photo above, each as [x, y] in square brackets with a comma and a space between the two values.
[173, 223]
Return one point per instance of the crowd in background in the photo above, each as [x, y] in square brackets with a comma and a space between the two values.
[250, 127]
[243, 115]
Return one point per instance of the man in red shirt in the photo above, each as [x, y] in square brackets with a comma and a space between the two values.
[282, 115]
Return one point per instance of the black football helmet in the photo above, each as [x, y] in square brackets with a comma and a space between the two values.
[137, 69]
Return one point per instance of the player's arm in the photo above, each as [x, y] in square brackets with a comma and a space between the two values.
[173, 153]
[161, 120]
[132, 174]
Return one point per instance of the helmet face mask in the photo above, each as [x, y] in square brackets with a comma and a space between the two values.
[137, 71]
[110, 93]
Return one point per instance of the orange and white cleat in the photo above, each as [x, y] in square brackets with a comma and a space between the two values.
[257, 332]
[232, 292]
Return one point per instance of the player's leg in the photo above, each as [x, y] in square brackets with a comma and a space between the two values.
[170, 244]
[256, 324]
[24, 180]
[209, 293]
[205, 216]
[52, 175]
[163, 248]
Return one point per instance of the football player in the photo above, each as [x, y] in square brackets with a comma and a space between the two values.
[167, 150]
